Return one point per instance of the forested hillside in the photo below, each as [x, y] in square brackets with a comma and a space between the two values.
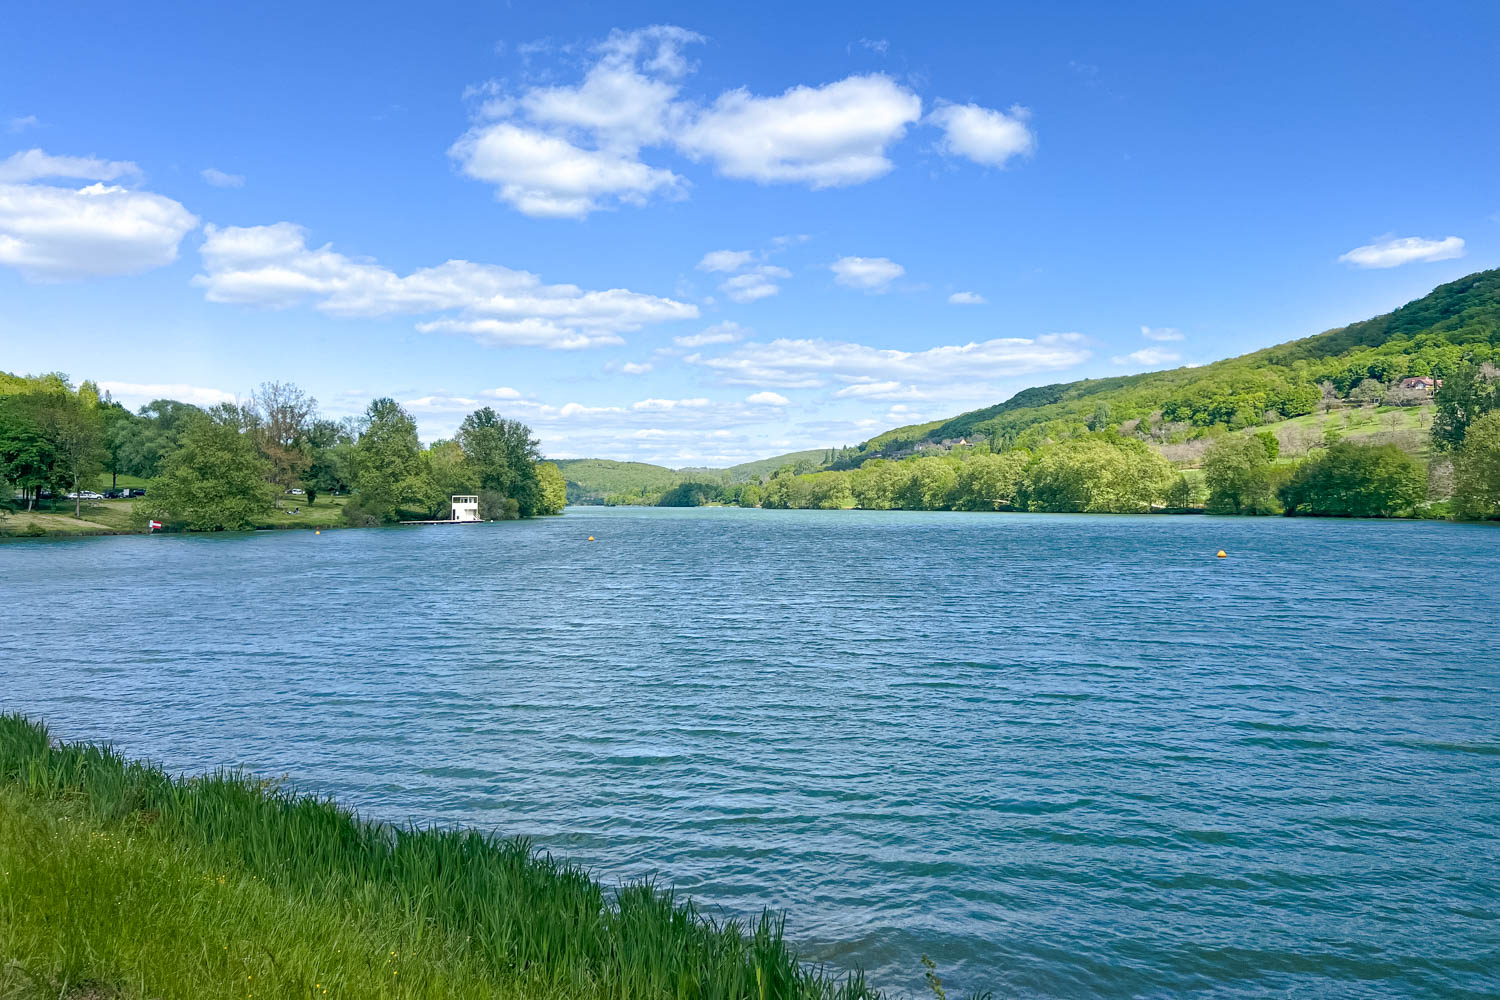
[1431, 336]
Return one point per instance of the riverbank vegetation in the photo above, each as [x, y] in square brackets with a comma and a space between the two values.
[264, 463]
[119, 881]
[1387, 417]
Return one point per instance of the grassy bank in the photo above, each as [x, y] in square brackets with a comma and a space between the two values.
[119, 881]
[119, 517]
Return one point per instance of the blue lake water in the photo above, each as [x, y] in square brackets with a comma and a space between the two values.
[1064, 756]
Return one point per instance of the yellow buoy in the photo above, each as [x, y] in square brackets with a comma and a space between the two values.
[591, 538]
[1222, 554]
[317, 532]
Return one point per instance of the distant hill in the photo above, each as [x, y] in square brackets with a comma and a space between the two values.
[590, 480]
[1427, 336]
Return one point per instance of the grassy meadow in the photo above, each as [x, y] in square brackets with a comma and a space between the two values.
[120, 881]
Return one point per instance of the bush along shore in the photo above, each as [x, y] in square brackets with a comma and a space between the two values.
[118, 880]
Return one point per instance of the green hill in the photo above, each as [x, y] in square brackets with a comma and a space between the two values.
[590, 480]
[1430, 336]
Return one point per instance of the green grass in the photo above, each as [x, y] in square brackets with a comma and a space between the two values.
[115, 517]
[117, 880]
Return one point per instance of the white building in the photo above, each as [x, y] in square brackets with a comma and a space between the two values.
[465, 509]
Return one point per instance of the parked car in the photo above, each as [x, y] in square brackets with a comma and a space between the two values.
[136, 493]
[297, 493]
[115, 494]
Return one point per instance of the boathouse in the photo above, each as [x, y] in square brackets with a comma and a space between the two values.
[465, 509]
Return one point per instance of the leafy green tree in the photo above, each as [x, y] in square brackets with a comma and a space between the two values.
[1355, 480]
[154, 435]
[1476, 470]
[1237, 473]
[1184, 493]
[1100, 474]
[1465, 396]
[28, 458]
[450, 472]
[554, 489]
[215, 481]
[330, 459]
[505, 455]
[389, 468]
[76, 427]
[989, 482]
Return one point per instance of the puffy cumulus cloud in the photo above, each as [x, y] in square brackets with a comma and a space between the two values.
[827, 136]
[1161, 333]
[1147, 356]
[1395, 252]
[567, 151]
[796, 364]
[870, 274]
[986, 136]
[138, 394]
[272, 266]
[547, 176]
[53, 233]
[767, 398]
[219, 178]
[727, 332]
[966, 299]
[636, 367]
[727, 261]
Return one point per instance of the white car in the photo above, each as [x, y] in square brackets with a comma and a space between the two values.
[297, 493]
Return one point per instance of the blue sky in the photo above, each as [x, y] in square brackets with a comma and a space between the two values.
[691, 234]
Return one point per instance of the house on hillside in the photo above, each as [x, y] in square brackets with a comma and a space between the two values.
[1421, 382]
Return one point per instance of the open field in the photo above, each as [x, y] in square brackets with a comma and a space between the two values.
[118, 881]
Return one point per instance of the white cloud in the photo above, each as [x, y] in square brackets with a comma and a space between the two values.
[720, 333]
[757, 283]
[1395, 252]
[272, 266]
[138, 394]
[871, 388]
[727, 261]
[825, 136]
[871, 274]
[984, 135]
[767, 398]
[21, 123]
[966, 299]
[546, 176]
[57, 233]
[812, 363]
[1149, 356]
[563, 152]
[502, 392]
[636, 367]
[219, 178]
[34, 164]
[1161, 333]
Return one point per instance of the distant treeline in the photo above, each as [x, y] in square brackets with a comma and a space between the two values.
[1117, 470]
[226, 466]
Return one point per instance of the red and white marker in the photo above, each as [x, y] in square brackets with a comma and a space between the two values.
[152, 526]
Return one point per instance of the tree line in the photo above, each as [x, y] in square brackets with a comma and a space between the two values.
[230, 465]
[1117, 469]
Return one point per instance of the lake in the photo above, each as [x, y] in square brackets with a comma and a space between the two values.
[1064, 756]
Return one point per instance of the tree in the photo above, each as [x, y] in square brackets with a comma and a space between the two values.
[282, 416]
[554, 488]
[1184, 493]
[1476, 470]
[28, 459]
[989, 482]
[1465, 396]
[1355, 480]
[330, 449]
[1368, 391]
[76, 428]
[215, 481]
[1236, 471]
[504, 454]
[389, 470]
[1097, 475]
